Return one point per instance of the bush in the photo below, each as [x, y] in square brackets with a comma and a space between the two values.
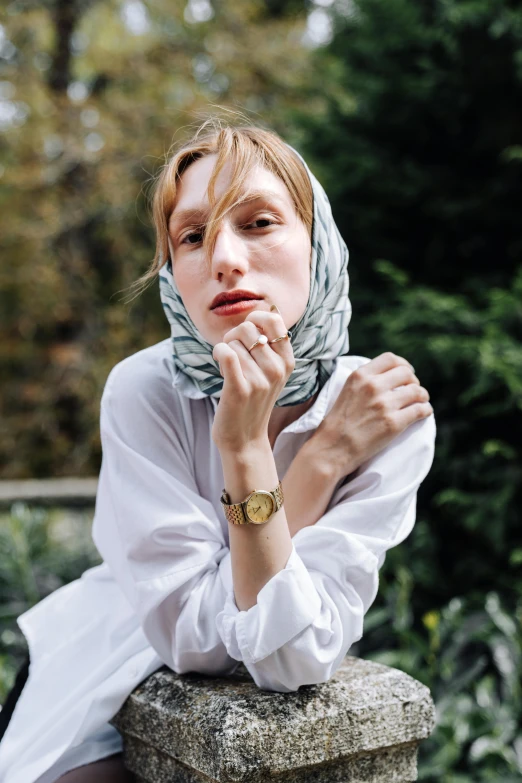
[40, 550]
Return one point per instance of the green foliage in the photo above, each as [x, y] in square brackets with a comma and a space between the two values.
[470, 360]
[40, 550]
[418, 144]
[468, 654]
[418, 147]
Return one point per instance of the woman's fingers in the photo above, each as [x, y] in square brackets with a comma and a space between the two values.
[257, 366]
[272, 325]
[275, 360]
[240, 339]
[260, 367]
[230, 368]
[246, 331]
[407, 395]
[386, 361]
[397, 376]
[411, 414]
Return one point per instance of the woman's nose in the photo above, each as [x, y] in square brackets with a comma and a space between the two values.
[229, 250]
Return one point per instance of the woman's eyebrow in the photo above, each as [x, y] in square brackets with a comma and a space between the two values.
[179, 217]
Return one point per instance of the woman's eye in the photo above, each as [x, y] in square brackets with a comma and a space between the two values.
[260, 220]
[188, 237]
[198, 235]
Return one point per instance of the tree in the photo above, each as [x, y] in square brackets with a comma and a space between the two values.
[94, 95]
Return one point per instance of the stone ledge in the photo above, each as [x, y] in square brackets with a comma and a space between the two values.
[49, 492]
[391, 765]
[362, 726]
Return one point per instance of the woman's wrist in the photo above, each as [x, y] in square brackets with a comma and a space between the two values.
[320, 450]
[245, 451]
[258, 552]
[250, 467]
[316, 453]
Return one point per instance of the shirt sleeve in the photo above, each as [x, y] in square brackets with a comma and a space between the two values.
[308, 616]
[161, 540]
[165, 547]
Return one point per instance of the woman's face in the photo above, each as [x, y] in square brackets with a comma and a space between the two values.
[262, 246]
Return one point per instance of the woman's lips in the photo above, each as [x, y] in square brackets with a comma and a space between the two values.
[235, 307]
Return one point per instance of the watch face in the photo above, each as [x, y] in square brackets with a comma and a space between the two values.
[259, 507]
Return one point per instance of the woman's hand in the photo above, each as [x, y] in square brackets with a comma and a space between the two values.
[378, 402]
[252, 381]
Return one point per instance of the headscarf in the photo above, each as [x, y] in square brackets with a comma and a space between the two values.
[318, 338]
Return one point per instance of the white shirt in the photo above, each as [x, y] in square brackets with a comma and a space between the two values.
[164, 593]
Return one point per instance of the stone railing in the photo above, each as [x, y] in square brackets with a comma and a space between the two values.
[363, 726]
[49, 492]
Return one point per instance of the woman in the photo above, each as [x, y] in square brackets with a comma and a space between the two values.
[253, 477]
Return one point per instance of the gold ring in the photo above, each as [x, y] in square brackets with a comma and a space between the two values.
[263, 340]
[276, 339]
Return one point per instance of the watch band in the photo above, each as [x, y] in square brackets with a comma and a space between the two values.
[236, 512]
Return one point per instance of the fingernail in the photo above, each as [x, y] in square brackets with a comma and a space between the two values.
[412, 367]
[274, 309]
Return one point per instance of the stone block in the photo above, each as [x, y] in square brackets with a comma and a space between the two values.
[362, 726]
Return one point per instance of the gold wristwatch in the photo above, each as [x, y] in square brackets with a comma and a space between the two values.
[256, 509]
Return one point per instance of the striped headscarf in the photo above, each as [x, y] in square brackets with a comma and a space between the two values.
[318, 338]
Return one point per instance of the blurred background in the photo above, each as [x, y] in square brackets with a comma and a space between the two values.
[409, 113]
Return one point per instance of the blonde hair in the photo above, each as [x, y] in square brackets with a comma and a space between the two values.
[246, 146]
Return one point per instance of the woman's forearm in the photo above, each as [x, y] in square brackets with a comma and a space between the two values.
[308, 486]
[258, 552]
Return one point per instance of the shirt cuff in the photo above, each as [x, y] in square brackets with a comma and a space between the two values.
[286, 605]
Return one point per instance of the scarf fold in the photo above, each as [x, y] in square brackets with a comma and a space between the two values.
[318, 338]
